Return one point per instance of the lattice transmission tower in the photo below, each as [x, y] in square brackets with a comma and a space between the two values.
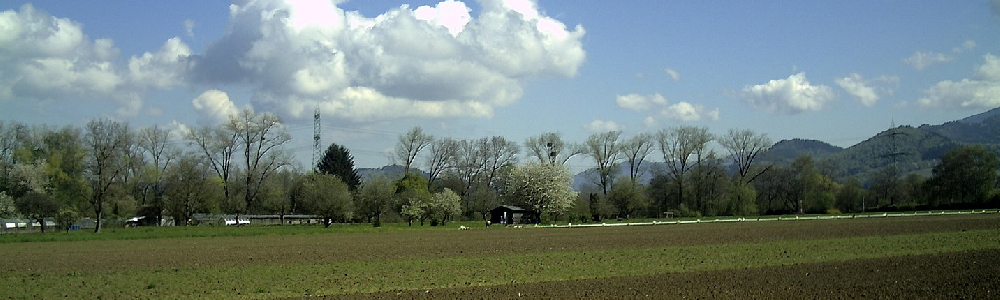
[316, 149]
[894, 152]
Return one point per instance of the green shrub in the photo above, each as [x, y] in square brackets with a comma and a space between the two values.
[683, 211]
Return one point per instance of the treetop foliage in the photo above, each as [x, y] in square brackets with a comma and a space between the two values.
[109, 170]
[337, 160]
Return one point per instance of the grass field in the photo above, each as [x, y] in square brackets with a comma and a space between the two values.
[290, 262]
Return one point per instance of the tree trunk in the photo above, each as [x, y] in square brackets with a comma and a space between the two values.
[100, 214]
[680, 192]
[159, 211]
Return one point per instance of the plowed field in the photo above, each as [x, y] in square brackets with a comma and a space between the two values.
[957, 275]
[908, 257]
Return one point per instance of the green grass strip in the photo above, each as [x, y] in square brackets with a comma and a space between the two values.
[169, 232]
[267, 281]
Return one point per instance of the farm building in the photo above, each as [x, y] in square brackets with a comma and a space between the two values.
[509, 214]
[229, 219]
[24, 225]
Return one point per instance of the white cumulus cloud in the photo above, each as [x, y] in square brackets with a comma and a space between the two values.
[596, 126]
[189, 27]
[867, 91]
[923, 59]
[658, 108]
[425, 62]
[178, 131]
[687, 112]
[43, 57]
[639, 102]
[856, 86]
[164, 69]
[214, 107]
[673, 74]
[965, 46]
[792, 95]
[982, 91]
[450, 14]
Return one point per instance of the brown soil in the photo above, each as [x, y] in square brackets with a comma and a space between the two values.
[963, 275]
[314, 249]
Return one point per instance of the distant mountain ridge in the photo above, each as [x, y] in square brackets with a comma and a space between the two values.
[909, 149]
[979, 118]
[391, 171]
[789, 150]
[982, 128]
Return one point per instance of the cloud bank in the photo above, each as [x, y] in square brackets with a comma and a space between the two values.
[982, 91]
[43, 57]
[425, 62]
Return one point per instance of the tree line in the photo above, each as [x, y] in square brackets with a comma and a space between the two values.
[109, 170]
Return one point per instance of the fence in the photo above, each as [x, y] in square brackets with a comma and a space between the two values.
[780, 218]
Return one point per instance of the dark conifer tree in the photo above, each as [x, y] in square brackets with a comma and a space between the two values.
[338, 161]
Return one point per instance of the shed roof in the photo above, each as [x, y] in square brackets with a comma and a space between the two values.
[511, 208]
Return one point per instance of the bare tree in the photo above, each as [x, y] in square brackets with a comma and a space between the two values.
[744, 146]
[467, 163]
[498, 153]
[260, 137]
[154, 142]
[190, 188]
[9, 142]
[679, 146]
[442, 153]
[131, 179]
[604, 148]
[409, 146]
[550, 148]
[635, 150]
[218, 145]
[482, 159]
[108, 142]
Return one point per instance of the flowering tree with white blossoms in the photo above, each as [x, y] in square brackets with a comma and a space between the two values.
[546, 188]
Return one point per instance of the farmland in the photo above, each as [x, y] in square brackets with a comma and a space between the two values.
[879, 257]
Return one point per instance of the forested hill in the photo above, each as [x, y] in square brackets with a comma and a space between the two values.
[909, 149]
[786, 151]
[983, 128]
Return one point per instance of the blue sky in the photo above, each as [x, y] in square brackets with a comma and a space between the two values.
[836, 71]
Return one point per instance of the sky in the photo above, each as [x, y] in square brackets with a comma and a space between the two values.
[835, 71]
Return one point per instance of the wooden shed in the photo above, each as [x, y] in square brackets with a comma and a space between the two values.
[509, 214]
